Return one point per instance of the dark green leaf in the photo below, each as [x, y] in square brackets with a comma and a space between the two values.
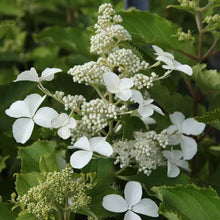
[212, 118]
[188, 202]
[150, 28]
[171, 102]
[131, 124]
[159, 177]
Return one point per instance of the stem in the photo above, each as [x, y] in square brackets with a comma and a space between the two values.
[122, 178]
[199, 24]
[195, 104]
[110, 131]
[60, 212]
[120, 171]
[190, 88]
[205, 134]
[99, 92]
[210, 49]
[190, 56]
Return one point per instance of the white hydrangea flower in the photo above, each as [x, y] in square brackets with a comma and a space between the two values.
[31, 75]
[27, 114]
[81, 158]
[132, 203]
[174, 161]
[182, 127]
[117, 86]
[170, 62]
[64, 123]
[145, 108]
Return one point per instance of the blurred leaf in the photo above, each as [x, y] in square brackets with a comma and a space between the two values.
[5, 26]
[5, 212]
[26, 216]
[188, 202]
[183, 8]
[215, 148]
[207, 80]
[25, 181]
[68, 38]
[149, 28]
[30, 156]
[10, 7]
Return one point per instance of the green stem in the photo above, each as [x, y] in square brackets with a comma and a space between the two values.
[110, 131]
[198, 18]
[99, 92]
[60, 212]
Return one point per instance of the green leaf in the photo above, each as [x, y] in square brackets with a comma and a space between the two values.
[212, 118]
[48, 162]
[131, 124]
[149, 28]
[183, 8]
[30, 156]
[159, 177]
[188, 202]
[103, 169]
[2, 162]
[27, 216]
[6, 26]
[207, 80]
[24, 181]
[171, 102]
[10, 7]
[97, 194]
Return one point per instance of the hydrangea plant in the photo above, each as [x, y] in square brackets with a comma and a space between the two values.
[109, 141]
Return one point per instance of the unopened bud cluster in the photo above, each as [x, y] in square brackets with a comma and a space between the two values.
[142, 81]
[90, 72]
[55, 190]
[108, 31]
[127, 62]
[212, 21]
[182, 36]
[73, 102]
[144, 150]
[188, 3]
[96, 114]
